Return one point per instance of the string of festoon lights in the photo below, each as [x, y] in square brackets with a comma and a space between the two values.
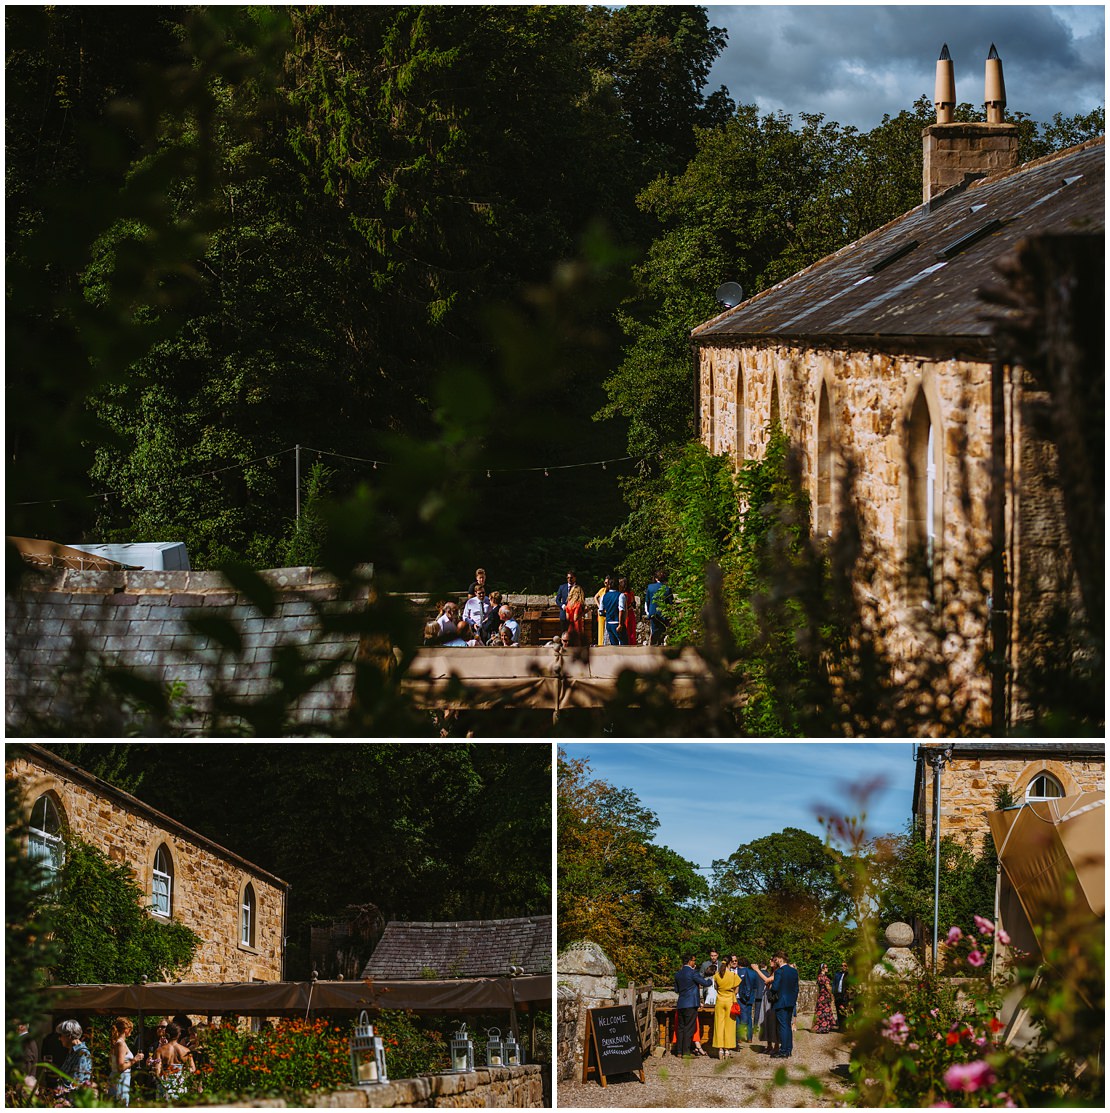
[211, 473]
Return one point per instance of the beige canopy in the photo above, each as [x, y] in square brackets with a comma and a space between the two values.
[50, 554]
[544, 677]
[458, 995]
[1050, 853]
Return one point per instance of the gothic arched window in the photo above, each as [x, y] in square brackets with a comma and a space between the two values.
[776, 419]
[738, 449]
[161, 885]
[44, 839]
[823, 518]
[248, 910]
[923, 506]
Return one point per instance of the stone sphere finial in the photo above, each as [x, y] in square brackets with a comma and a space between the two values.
[899, 934]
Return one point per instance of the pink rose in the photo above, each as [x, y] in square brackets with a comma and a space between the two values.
[976, 958]
[985, 926]
[941, 1105]
[954, 935]
[968, 1077]
[1007, 1101]
[1003, 937]
[934, 1013]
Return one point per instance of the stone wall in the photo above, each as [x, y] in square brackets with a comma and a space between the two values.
[871, 396]
[60, 620]
[586, 971]
[567, 1066]
[969, 784]
[486, 1088]
[208, 881]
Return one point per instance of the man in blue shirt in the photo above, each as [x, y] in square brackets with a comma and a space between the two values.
[657, 598]
[686, 983]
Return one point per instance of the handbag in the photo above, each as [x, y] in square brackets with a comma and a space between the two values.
[735, 1010]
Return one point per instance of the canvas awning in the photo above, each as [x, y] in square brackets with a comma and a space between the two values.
[1051, 853]
[458, 995]
[50, 554]
[544, 677]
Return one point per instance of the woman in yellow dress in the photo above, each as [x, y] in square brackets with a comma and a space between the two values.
[727, 982]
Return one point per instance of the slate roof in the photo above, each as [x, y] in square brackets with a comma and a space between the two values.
[918, 276]
[462, 949]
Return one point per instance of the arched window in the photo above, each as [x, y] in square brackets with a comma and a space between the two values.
[1044, 786]
[44, 839]
[161, 886]
[738, 452]
[776, 419]
[923, 509]
[823, 519]
[247, 916]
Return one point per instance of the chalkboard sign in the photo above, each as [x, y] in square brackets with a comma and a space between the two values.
[612, 1044]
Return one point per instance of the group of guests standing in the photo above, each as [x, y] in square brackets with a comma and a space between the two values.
[617, 608]
[746, 997]
[170, 1061]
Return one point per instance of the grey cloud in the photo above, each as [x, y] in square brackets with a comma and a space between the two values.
[855, 64]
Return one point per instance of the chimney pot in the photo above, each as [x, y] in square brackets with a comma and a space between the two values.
[944, 94]
[994, 89]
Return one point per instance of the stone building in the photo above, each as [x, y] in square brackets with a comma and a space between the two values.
[237, 908]
[971, 778]
[884, 354]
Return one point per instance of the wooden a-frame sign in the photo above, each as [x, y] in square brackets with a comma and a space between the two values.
[612, 1044]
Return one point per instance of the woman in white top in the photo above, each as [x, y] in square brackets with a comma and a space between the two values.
[119, 1081]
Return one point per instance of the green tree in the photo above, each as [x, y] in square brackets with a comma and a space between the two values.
[103, 927]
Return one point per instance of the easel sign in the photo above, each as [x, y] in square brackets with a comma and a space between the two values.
[612, 1044]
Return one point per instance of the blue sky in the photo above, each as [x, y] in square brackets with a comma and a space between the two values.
[853, 63]
[711, 797]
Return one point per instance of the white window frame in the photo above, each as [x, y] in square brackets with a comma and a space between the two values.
[161, 884]
[1046, 776]
[248, 910]
[43, 845]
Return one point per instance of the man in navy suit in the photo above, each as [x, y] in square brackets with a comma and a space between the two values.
[785, 991]
[686, 983]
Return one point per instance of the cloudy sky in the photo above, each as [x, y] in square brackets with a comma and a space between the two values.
[711, 797]
[855, 63]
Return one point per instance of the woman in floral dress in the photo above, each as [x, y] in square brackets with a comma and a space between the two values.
[824, 1019]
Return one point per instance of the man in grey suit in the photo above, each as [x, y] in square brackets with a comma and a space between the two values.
[784, 988]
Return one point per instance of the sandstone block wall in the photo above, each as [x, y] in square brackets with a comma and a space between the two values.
[567, 1067]
[496, 1088]
[871, 396]
[208, 882]
[968, 788]
[952, 151]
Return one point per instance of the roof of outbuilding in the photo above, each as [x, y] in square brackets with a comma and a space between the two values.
[919, 275]
[462, 949]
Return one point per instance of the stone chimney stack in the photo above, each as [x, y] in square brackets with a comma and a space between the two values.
[956, 153]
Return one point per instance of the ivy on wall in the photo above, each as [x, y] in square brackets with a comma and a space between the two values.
[103, 927]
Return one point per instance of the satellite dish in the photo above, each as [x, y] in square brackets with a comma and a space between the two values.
[730, 294]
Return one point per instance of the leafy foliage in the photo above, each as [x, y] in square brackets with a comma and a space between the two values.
[105, 932]
[458, 831]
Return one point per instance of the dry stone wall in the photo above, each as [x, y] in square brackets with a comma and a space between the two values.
[208, 882]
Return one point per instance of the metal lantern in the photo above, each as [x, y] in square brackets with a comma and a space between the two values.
[462, 1052]
[367, 1054]
[495, 1051]
[512, 1051]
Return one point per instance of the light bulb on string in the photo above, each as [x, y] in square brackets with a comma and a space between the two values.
[603, 467]
[488, 476]
[545, 473]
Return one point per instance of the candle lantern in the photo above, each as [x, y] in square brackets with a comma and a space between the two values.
[495, 1051]
[462, 1052]
[512, 1051]
[367, 1054]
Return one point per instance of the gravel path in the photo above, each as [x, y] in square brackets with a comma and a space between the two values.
[744, 1079]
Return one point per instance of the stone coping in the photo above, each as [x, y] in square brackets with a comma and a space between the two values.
[425, 1090]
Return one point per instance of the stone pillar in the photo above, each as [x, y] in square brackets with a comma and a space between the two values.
[585, 970]
[955, 152]
[899, 938]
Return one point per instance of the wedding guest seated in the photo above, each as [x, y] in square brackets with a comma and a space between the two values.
[464, 636]
[506, 613]
[449, 617]
[505, 638]
[432, 633]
